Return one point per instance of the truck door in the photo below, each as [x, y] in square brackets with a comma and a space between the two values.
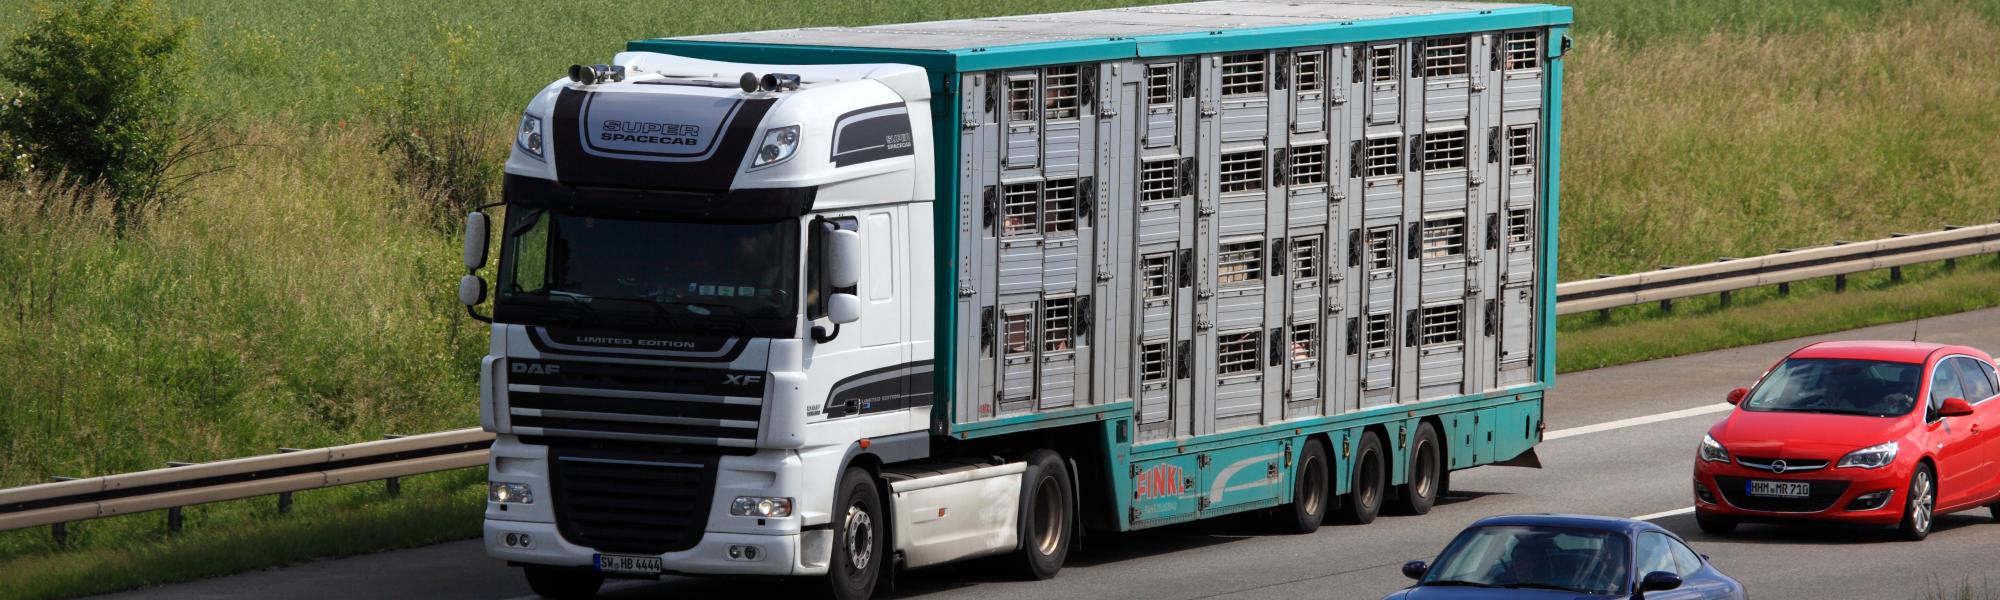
[1162, 244]
[1374, 338]
[1516, 141]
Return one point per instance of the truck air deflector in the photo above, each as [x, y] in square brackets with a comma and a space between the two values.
[623, 139]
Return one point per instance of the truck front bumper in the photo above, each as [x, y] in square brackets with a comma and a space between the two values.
[775, 554]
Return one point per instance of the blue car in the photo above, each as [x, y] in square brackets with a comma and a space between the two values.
[1567, 556]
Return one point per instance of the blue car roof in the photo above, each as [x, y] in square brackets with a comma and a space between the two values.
[1592, 522]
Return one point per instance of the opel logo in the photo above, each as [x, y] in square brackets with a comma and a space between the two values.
[1778, 466]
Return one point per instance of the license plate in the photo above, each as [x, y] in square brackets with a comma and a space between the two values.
[638, 565]
[1780, 489]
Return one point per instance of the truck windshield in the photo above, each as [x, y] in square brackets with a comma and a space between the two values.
[621, 270]
[1835, 386]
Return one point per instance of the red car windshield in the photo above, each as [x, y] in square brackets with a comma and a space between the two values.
[1836, 386]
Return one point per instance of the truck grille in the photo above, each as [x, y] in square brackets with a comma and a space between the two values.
[637, 403]
[1824, 494]
[617, 503]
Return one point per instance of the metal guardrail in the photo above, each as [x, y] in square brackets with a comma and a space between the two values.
[59, 503]
[1725, 276]
[62, 502]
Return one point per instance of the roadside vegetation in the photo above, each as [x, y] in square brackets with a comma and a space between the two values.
[302, 296]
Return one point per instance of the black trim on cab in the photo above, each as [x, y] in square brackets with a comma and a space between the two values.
[879, 390]
[885, 135]
[552, 340]
[736, 206]
[577, 167]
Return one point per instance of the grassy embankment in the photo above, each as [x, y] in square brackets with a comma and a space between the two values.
[295, 302]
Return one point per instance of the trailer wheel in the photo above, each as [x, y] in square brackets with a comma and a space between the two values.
[1368, 481]
[563, 583]
[1309, 491]
[1426, 469]
[857, 537]
[1046, 521]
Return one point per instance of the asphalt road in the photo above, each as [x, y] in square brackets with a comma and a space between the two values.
[1622, 443]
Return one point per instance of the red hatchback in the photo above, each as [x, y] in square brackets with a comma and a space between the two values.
[1865, 433]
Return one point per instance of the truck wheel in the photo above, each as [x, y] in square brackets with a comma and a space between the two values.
[563, 583]
[1426, 466]
[1309, 491]
[1368, 481]
[857, 537]
[1045, 516]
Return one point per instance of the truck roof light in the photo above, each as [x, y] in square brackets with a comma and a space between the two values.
[595, 74]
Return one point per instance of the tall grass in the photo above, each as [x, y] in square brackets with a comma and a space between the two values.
[291, 305]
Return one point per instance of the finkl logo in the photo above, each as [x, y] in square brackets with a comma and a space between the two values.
[1159, 482]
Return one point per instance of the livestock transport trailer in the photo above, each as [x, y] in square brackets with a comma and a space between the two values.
[843, 301]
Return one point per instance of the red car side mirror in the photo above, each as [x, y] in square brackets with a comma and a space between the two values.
[1956, 407]
[1736, 395]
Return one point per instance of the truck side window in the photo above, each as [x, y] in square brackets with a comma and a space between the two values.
[816, 289]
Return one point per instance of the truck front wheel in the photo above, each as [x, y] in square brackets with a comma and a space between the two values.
[563, 583]
[857, 537]
[1045, 516]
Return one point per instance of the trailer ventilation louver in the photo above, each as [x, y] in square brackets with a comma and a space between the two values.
[1243, 74]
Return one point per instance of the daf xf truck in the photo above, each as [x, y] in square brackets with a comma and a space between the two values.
[837, 302]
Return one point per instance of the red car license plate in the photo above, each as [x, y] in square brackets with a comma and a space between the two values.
[1780, 489]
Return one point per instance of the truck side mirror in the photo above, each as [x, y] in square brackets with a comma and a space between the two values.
[843, 258]
[843, 308]
[471, 288]
[475, 240]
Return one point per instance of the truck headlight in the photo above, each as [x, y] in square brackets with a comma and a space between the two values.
[509, 493]
[1712, 451]
[530, 135]
[757, 506]
[778, 146]
[1872, 457]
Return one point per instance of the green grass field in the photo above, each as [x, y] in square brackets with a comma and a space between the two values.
[297, 301]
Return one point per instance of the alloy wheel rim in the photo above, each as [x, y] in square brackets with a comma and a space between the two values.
[1315, 486]
[1921, 513]
[1426, 468]
[1048, 525]
[1371, 479]
[860, 538]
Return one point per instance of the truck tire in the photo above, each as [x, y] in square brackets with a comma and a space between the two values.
[858, 523]
[1368, 482]
[1047, 526]
[1309, 491]
[1426, 473]
[563, 583]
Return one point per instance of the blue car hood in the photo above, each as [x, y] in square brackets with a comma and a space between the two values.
[1473, 593]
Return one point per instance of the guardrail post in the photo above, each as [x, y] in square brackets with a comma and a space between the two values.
[285, 498]
[1725, 299]
[60, 531]
[395, 484]
[1895, 274]
[1785, 289]
[1839, 283]
[174, 514]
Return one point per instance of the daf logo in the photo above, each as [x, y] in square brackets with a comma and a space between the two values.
[1778, 466]
[535, 368]
[729, 379]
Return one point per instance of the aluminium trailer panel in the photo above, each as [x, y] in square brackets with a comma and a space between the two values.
[1105, 51]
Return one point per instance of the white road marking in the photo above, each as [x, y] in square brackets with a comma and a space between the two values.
[1636, 421]
[1661, 515]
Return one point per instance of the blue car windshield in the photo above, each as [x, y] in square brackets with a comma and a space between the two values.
[1838, 386]
[1509, 556]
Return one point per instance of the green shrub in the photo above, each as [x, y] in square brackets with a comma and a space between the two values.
[442, 146]
[98, 95]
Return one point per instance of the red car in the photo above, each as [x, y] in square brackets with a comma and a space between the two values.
[1862, 433]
